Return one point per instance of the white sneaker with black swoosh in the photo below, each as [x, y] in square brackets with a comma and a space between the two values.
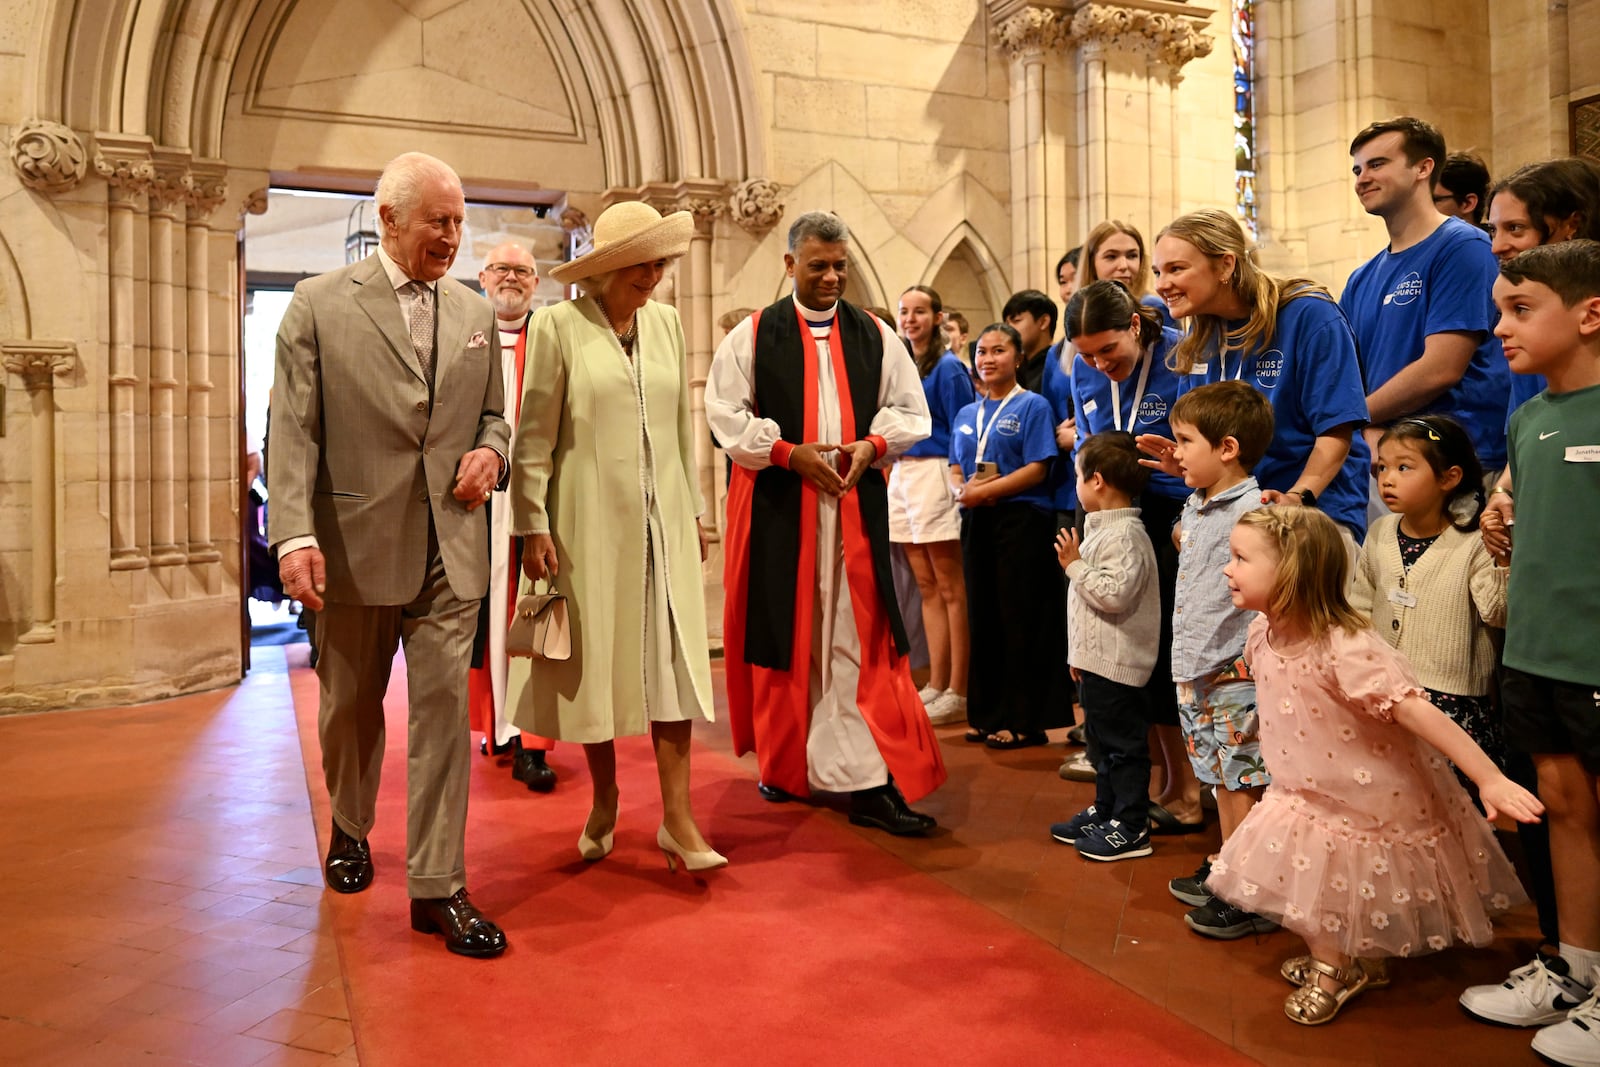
[1574, 1042]
[1536, 995]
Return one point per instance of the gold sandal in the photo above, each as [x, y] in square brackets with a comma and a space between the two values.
[1311, 1005]
[1297, 971]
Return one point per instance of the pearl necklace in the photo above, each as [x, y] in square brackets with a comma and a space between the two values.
[625, 339]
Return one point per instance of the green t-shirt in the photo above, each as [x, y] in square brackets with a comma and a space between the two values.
[1553, 608]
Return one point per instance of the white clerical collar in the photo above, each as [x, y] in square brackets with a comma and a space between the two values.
[816, 318]
[511, 325]
[397, 275]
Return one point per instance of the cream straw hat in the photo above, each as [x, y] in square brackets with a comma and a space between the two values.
[628, 234]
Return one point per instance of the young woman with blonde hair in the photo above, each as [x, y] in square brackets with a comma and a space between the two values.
[1288, 338]
[1115, 251]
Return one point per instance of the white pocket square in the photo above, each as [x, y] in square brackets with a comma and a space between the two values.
[478, 341]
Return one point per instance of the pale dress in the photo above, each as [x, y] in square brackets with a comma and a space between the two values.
[1365, 836]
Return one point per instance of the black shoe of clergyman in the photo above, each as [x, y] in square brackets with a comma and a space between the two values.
[885, 809]
[773, 793]
[530, 769]
[466, 931]
[349, 865]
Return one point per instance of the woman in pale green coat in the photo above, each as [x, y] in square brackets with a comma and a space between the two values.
[603, 492]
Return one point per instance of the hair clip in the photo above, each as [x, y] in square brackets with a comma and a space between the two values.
[1432, 434]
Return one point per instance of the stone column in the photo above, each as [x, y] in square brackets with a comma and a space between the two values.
[1033, 36]
[208, 190]
[39, 364]
[1130, 54]
[168, 400]
[124, 162]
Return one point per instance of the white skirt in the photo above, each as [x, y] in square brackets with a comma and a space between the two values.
[922, 508]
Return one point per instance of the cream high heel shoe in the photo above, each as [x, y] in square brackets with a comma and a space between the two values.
[709, 860]
[592, 850]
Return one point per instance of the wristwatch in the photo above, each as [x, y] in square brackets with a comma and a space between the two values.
[1308, 498]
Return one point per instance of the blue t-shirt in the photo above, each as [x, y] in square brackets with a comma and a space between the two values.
[1056, 388]
[1394, 301]
[1146, 413]
[1308, 369]
[1026, 433]
[948, 388]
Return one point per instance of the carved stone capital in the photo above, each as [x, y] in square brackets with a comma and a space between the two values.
[39, 363]
[208, 189]
[173, 182]
[1162, 32]
[756, 204]
[49, 157]
[704, 198]
[1033, 30]
[125, 163]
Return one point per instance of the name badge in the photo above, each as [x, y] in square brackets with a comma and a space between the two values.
[1402, 598]
[1089, 407]
[1583, 454]
[1200, 368]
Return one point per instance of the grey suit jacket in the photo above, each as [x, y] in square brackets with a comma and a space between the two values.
[358, 458]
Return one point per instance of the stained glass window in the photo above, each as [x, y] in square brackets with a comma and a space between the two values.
[1244, 112]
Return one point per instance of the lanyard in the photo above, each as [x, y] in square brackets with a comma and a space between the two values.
[983, 435]
[1116, 396]
[1237, 374]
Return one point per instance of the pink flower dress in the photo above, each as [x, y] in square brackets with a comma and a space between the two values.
[1365, 836]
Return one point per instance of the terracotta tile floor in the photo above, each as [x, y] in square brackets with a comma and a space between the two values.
[160, 901]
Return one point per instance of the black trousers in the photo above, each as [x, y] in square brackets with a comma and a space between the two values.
[1158, 513]
[1116, 720]
[1018, 679]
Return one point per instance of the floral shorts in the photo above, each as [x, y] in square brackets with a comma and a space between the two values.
[1221, 729]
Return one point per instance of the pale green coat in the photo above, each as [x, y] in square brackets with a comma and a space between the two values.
[577, 472]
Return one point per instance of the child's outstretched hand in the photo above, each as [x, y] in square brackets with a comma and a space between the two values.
[1067, 547]
[1501, 794]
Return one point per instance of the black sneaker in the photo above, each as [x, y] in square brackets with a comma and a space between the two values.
[1221, 920]
[1192, 890]
[1075, 735]
[1074, 829]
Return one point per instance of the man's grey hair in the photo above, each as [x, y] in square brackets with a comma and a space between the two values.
[400, 184]
[825, 226]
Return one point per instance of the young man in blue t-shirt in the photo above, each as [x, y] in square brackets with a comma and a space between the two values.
[1420, 309]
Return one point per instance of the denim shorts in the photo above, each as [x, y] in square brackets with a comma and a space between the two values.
[1221, 729]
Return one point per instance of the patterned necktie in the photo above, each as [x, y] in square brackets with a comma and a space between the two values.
[422, 327]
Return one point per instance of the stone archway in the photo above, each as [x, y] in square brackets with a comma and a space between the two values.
[177, 111]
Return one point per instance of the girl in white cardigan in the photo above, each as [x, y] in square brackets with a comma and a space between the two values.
[1425, 579]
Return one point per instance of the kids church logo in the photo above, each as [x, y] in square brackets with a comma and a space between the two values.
[1152, 408]
[1269, 367]
[1009, 426]
[1405, 291]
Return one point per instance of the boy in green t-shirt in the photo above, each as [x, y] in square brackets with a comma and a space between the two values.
[1549, 303]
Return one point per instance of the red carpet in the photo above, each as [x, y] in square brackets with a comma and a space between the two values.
[813, 946]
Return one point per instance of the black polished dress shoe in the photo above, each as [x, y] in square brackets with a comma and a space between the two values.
[530, 769]
[511, 747]
[773, 793]
[349, 865]
[466, 932]
[885, 809]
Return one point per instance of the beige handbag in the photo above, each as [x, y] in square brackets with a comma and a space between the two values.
[540, 628]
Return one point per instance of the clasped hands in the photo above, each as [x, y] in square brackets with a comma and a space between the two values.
[813, 463]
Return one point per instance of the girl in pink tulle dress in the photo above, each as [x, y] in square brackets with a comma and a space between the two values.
[1365, 844]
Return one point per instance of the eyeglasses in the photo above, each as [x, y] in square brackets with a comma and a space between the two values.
[1441, 198]
[500, 270]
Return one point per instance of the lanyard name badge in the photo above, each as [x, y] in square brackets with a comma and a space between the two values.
[1116, 396]
[982, 471]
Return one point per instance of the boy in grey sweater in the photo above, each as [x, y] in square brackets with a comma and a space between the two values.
[1113, 627]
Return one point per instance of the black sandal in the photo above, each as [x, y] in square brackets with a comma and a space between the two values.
[1016, 740]
[976, 737]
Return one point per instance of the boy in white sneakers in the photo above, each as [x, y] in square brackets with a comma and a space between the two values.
[1549, 302]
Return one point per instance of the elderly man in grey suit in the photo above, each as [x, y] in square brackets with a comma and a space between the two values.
[388, 437]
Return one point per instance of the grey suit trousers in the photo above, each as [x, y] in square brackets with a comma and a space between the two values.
[357, 645]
